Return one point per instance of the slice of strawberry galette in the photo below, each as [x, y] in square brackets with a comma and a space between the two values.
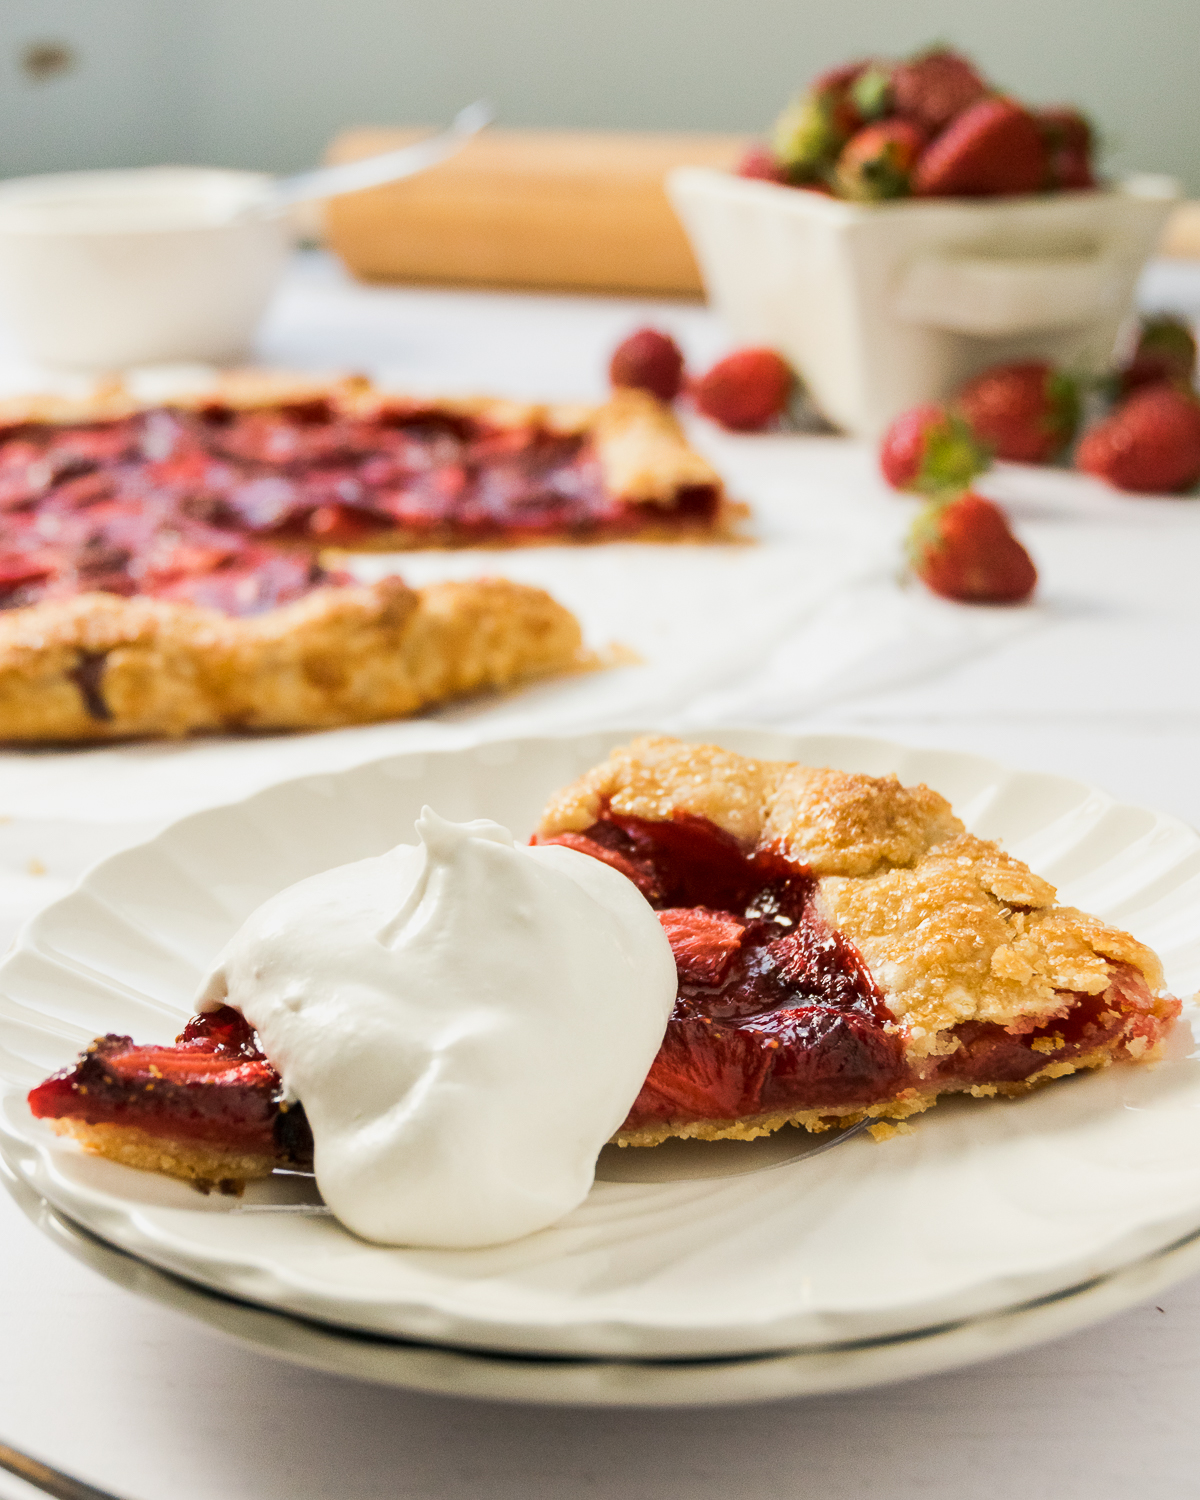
[844, 950]
[845, 947]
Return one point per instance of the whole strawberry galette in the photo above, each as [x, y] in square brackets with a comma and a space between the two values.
[843, 950]
[220, 499]
[134, 539]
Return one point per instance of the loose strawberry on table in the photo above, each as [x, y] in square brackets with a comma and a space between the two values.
[648, 360]
[1149, 445]
[965, 550]
[931, 451]
[1026, 412]
[745, 390]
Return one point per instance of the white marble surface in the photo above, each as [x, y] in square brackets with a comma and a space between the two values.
[1099, 680]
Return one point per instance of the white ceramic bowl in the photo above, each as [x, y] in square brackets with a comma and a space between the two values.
[884, 305]
[100, 270]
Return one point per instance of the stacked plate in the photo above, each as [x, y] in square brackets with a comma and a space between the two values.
[696, 1272]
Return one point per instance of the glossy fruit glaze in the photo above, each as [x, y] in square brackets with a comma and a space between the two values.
[777, 1013]
[213, 1087]
[224, 508]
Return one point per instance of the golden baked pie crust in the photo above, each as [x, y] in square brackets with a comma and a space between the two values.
[952, 928]
[341, 655]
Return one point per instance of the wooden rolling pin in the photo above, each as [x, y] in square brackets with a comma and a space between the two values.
[529, 208]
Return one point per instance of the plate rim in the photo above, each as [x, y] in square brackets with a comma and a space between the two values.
[443, 1370]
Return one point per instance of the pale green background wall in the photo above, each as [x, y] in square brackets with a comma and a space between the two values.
[264, 83]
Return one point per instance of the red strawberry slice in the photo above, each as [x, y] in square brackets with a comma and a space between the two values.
[745, 390]
[994, 147]
[25, 567]
[708, 1069]
[703, 942]
[642, 874]
[214, 1085]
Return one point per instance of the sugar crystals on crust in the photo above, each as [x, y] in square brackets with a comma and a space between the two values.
[952, 928]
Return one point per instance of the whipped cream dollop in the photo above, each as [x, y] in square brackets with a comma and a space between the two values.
[466, 1022]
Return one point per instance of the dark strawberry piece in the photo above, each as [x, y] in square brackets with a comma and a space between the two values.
[337, 525]
[877, 162]
[745, 390]
[1166, 351]
[640, 871]
[774, 1010]
[934, 88]
[18, 569]
[1027, 412]
[648, 360]
[213, 1087]
[800, 1058]
[931, 451]
[1149, 445]
[994, 147]
[1066, 127]
[964, 550]
[1071, 171]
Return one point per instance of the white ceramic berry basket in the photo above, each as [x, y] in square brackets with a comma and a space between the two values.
[883, 305]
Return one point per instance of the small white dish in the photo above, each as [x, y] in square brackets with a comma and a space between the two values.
[101, 270]
[881, 306]
[987, 1207]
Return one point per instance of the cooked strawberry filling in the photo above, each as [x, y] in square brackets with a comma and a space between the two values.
[214, 1087]
[192, 505]
[777, 1013]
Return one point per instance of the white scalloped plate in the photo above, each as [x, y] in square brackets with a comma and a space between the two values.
[988, 1206]
[602, 1382]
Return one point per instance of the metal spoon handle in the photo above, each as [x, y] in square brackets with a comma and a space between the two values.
[49, 1481]
[373, 171]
